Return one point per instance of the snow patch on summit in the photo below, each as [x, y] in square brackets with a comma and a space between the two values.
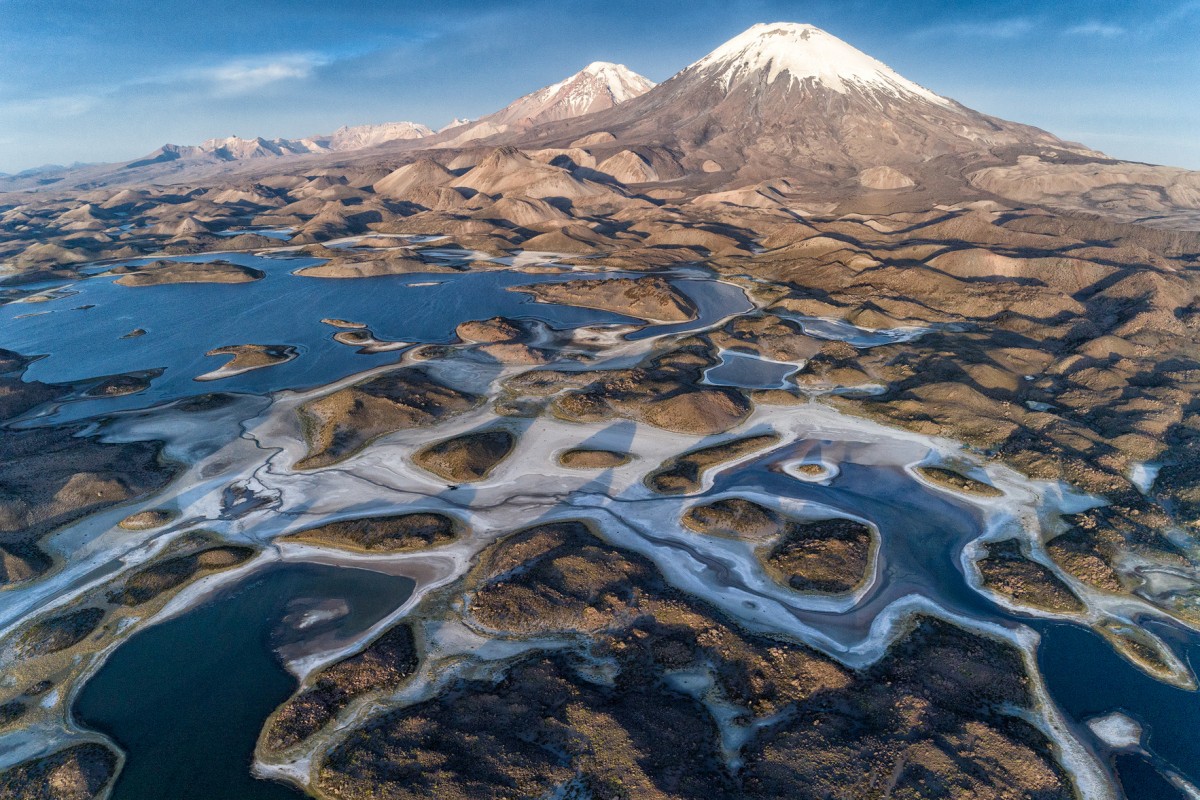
[804, 52]
[597, 86]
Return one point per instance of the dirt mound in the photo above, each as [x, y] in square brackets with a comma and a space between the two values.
[393, 534]
[340, 424]
[592, 459]
[467, 458]
[166, 272]
[649, 298]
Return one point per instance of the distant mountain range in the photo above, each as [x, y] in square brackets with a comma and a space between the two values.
[785, 96]
[596, 87]
[779, 101]
[234, 148]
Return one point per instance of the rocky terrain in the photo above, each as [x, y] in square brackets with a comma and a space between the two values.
[551, 722]
[341, 423]
[637, 479]
[387, 534]
[77, 773]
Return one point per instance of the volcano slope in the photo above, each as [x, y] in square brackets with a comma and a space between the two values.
[894, 270]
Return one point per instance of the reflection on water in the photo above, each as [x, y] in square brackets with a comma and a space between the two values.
[186, 699]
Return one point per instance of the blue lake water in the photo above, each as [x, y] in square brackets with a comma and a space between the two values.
[923, 533]
[184, 321]
[186, 699]
[1088, 679]
[749, 372]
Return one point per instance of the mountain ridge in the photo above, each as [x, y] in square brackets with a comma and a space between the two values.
[599, 86]
[839, 112]
[777, 102]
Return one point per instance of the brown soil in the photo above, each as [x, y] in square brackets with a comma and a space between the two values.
[1007, 571]
[393, 264]
[935, 712]
[11, 712]
[164, 272]
[121, 385]
[59, 632]
[1087, 558]
[250, 356]
[593, 459]
[735, 517]
[467, 458]
[830, 555]
[663, 392]
[81, 772]
[147, 584]
[148, 520]
[393, 534]
[683, 474]
[959, 482]
[645, 298]
[49, 478]
[496, 329]
[340, 424]
[383, 664]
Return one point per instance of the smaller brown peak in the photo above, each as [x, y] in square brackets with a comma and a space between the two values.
[190, 225]
[599, 137]
[87, 211]
[332, 212]
[420, 174]
[124, 197]
[506, 156]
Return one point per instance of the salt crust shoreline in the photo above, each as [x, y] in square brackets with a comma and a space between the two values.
[269, 444]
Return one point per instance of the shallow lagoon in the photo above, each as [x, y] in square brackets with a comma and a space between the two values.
[184, 321]
[1087, 679]
[749, 371]
[170, 730]
[186, 699]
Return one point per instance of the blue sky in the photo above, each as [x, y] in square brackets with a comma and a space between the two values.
[99, 81]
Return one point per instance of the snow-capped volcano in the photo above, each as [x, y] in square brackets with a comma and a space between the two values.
[790, 99]
[597, 87]
[803, 53]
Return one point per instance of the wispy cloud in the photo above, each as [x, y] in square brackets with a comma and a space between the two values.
[54, 107]
[229, 79]
[1104, 30]
[243, 76]
[1011, 28]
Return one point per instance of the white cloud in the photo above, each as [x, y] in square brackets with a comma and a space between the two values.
[1102, 29]
[60, 107]
[247, 75]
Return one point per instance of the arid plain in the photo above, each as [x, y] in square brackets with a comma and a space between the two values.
[756, 434]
